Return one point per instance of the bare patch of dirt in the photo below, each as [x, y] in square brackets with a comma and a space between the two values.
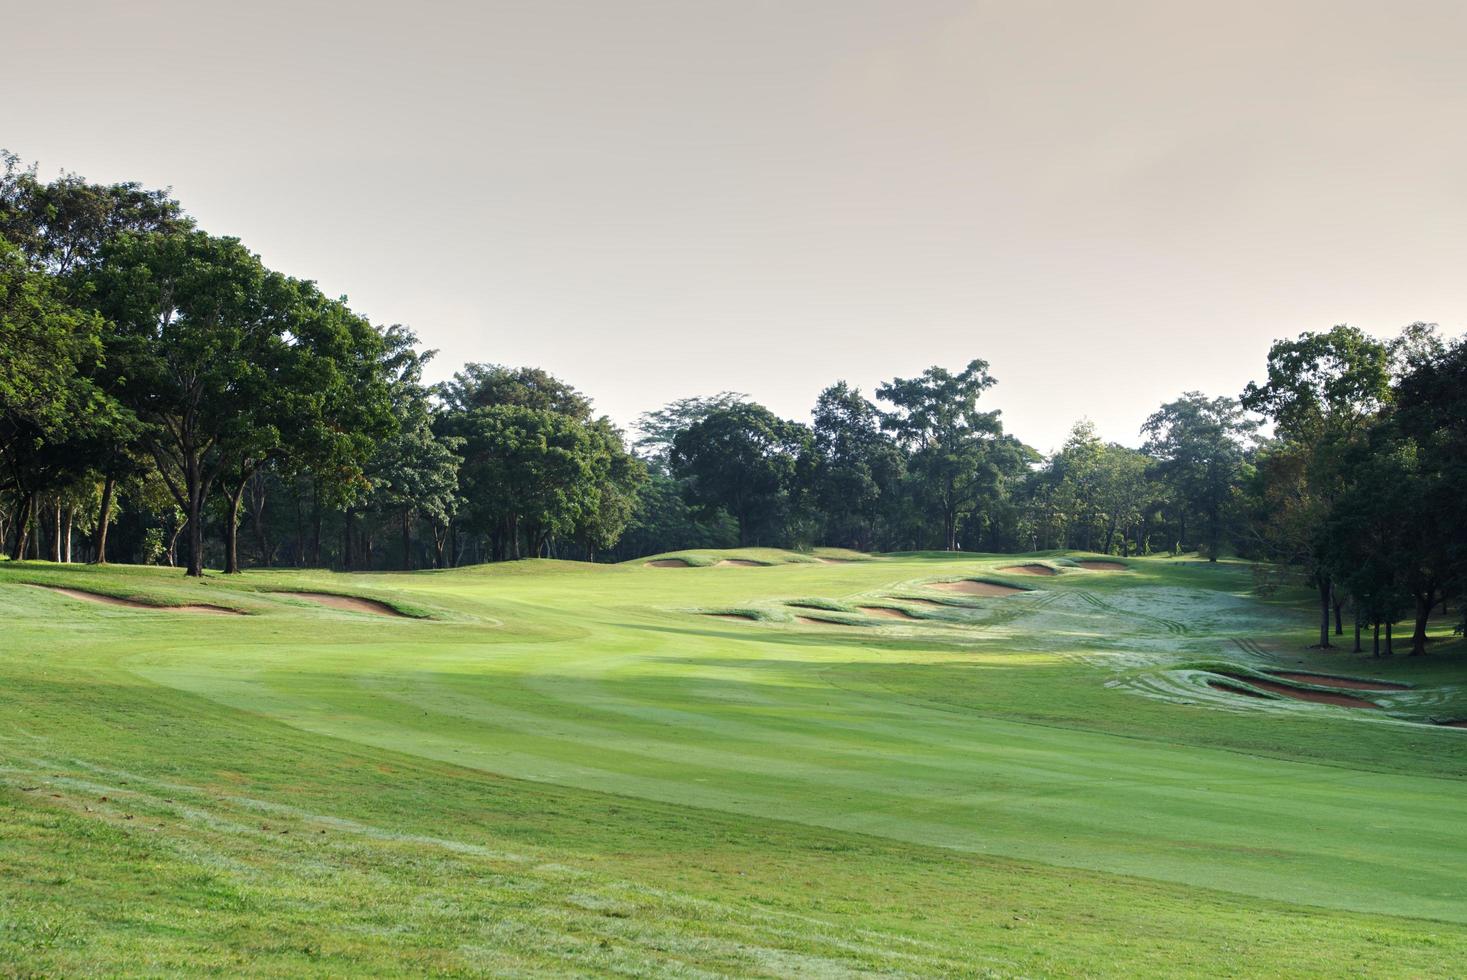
[347, 603]
[1230, 689]
[741, 563]
[1318, 697]
[927, 602]
[1103, 566]
[812, 621]
[1324, 680]
[970, 587]
[668, 563]
[1029, 570]
[112, 600]
[886, 612]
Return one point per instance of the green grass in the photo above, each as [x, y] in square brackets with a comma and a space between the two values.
[568, 768]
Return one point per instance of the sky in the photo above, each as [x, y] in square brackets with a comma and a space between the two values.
[1110, 202]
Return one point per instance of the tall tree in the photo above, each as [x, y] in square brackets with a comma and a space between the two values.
[1200, 445]
[950, 442]
[743, 459]
[857, 466]
[1321, 389]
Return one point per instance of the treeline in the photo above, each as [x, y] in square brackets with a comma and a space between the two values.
[165, 398]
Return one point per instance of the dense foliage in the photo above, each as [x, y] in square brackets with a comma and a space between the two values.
[161, 390]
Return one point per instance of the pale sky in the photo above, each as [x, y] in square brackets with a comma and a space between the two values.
[1111, 202]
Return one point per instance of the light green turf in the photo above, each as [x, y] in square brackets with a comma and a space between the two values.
[562, 767]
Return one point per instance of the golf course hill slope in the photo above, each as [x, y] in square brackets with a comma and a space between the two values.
[750, 762]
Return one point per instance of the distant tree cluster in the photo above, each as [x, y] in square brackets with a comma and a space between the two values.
[162, 391]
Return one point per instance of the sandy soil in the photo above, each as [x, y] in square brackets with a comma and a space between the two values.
[1102, 566]
[1029, 570]
[969, 587]
[886, 612]
[348, 603]
[812, 621]
[1342, 682]
[741, 563]
[1318, 697]
[111, 600]
[668, 563]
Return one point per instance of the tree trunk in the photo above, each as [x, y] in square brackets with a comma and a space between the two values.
[316, 525]
[1425, 601]
[1390, 647]
[1338, 603]
[347, 555]
[1324, 610]
[1357, 635]
[407, 539]
[23, 526]
[1375, 641]
[231, 530]
[56, 533]
[195, 535]
[104, 517]
[70, 521]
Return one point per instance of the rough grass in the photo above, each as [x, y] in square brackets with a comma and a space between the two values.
[569, 769]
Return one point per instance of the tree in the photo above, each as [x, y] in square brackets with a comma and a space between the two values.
[51, 411]
[742, 458]
[224, 362]
[1431, 412]
[1200, 445]
[659, 428]
[948, 440]
[414, 472]
[1321, 388]
[618, 476]
[857, 467]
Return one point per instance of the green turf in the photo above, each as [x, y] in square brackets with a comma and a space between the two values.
[552, 767]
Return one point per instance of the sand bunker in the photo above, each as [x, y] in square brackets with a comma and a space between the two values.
[668, 563]
[1029, 570]
[1102, 566]
[1230, 689]
[348, 603]
[1318, 697]
[1460, 723]
[812, 621]
[836, 561]
[925, 602]
[112, 600]
[886, 611]
[741, 563]
[970, 587]
[1324, 680]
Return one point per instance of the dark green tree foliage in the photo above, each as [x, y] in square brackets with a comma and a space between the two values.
[1321, 389]
[51, 412]
[1431, 412]
[1201, 447]
[745, 460]
[658, 428]
[229, 366]
[956, 454]
[537, 467]
[857, 470]
[414, 472]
